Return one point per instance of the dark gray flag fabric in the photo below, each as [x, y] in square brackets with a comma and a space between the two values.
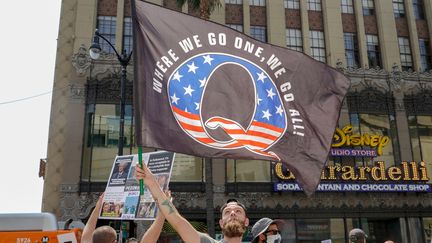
[204, 89]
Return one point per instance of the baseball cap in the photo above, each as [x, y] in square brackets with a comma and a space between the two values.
[355, 235]
[232, 200]
[260, 227]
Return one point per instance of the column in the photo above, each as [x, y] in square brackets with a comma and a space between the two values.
[361, 34]
[387, 33]
[333, 32]
[412, 27]
[428, 16]
[86, 18]
[119, 26]
[276, 22]
[246, 17]
[305, 27]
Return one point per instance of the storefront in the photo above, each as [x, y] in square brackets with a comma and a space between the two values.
[360, 188]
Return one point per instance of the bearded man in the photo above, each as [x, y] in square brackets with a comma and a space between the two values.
[233, 221]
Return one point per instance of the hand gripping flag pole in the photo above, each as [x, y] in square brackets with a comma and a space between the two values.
[141, 182]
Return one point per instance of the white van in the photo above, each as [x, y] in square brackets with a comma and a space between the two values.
[35, 227]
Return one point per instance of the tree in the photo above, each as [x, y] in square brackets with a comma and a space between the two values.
[206, 7]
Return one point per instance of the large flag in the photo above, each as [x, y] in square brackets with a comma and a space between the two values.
[207, 90]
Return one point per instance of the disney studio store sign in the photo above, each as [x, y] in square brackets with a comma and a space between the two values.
[404, 177]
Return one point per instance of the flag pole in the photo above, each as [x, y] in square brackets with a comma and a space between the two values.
[137, 134]
[141, 182]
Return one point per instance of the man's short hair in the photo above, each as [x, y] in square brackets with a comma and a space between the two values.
[232, 200]
[104, 234]
[357, 235]
[123, 163]
[132, 240]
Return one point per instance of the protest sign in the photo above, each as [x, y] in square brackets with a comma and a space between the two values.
[122, 199]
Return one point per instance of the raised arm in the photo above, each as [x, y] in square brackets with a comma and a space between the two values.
[153, 233]
[87, 234]
[186, 231]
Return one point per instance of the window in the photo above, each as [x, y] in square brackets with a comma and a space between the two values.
[101, 146]
[259, 33]
[314, 5]
[398, 8]
[373, 51]
[405, 54]
[106, 26]
[187, 168]
[375, 227]
[317, 45]
[347, 6]
[368, 7]
[237, 27]
[381, 125]
[294, 39]
[102, 137]
[425, 57]
[420, 130]
[314, 230]
[234, 1]
[248, 171]
[292, 4]
[427, 228]
[257, 2]
[351, 49]
[127, 35]
[418, 9]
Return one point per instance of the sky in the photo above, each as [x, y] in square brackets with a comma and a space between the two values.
[28, 42]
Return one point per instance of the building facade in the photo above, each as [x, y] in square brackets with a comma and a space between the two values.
[378, 174]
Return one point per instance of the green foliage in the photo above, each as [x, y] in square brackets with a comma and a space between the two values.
[206, 7]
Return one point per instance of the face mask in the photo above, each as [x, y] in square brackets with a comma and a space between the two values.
[274, 238]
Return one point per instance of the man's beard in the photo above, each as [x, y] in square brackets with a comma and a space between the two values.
[233, 228]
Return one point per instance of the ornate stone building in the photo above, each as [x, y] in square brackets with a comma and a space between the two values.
[383, 46]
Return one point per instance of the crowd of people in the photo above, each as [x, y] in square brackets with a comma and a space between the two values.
[233, 222]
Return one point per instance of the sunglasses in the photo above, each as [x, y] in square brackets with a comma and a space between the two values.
[273, 232]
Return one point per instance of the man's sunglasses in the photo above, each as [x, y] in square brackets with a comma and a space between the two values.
[273, 232]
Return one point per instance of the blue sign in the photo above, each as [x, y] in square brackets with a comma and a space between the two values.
[353, 152]
[355, 187]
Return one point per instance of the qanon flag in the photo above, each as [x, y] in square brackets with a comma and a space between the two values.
[207, 90]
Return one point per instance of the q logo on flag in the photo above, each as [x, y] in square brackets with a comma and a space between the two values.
[187, 86]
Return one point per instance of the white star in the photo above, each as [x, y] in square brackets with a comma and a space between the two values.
[266, 114]
[279, 110]
[186, 110]
[202, 82]
[270, 93]
[188, 90]
[197, 106]
[259, 99]
[261, 76]
[177, 76]
[175, 99]
[208, 59]
[192, 68]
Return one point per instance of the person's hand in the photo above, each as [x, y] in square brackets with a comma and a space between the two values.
[143, 174]
[100, 200]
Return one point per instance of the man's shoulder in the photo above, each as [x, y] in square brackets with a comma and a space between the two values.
[204, 238]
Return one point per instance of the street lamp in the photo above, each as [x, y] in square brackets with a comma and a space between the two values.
[95, 50]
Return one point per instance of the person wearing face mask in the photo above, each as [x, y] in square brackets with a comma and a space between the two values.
[266, 230]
